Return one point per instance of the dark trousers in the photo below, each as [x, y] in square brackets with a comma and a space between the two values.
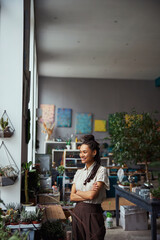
[88, 222]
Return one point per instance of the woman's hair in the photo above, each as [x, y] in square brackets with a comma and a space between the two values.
[93, 145]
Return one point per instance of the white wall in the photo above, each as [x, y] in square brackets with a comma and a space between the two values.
[100, 97]
[11, 76]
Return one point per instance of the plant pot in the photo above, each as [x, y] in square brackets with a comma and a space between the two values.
[68, 147]
[154, 198]
[6, 181]
[14, 223]
[8, 223]
[5, 134]
[37, 224]
[27, 204]
[25, 223]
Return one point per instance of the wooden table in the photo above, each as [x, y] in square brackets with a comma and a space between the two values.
[109, 204]
[152, 206]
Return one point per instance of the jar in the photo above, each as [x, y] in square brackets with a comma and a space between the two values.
[109, 222]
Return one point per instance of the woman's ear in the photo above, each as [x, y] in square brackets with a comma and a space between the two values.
[94, 153]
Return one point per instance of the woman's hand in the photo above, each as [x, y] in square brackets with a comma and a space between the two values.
[74, 196]
[94, 187]
[91, 194]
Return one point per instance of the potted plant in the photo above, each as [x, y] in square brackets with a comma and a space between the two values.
[8, 171]
[60, 170]
[124, 184]
[5, 233]
[48, 130]
[14, 217]
[135, 138]
[5, 128]
[25, 217]
[3, 124]
[52, 230]
[37, 216]
[68, 144]
[14, 206]
[6, 219]
[26, 167]
[155, 193]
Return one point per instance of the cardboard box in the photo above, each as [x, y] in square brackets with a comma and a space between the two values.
[133, 218]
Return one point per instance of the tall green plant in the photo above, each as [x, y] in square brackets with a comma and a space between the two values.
[135, 140]
[26, 167]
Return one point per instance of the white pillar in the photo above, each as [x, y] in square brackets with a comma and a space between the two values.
[33, 104]
[11, 83]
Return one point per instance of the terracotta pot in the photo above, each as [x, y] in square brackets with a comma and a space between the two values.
[25, 223]
[8, 223]
[155, 198]
[36, 222]
[14, 223]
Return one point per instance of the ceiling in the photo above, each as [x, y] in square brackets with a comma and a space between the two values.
[111, 39]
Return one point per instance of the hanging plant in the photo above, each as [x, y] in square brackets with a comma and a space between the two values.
[6, 127]
[8, 173]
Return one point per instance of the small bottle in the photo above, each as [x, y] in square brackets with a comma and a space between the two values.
[109, 220]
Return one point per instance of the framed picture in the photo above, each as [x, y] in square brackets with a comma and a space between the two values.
[84, 123]
[48, 113]
[64, 117]
[100, 125]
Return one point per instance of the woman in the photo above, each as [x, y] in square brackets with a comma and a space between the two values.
[89, 190]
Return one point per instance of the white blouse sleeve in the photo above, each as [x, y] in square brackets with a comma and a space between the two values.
[76, 176]
[103, 177]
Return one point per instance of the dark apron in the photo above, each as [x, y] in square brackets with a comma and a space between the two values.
[88, 222]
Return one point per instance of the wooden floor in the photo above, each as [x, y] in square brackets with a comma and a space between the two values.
[109, 203]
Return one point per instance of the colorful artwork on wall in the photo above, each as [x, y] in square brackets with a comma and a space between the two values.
[100, 126]
[64, 117]
[48, 113]
[84, 123]
[130, 118]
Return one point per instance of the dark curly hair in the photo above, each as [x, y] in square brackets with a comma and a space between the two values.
[93, 145]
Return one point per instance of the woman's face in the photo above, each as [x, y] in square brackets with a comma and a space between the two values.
[86, 154]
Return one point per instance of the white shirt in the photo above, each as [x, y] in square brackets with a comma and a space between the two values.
[101, 176]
